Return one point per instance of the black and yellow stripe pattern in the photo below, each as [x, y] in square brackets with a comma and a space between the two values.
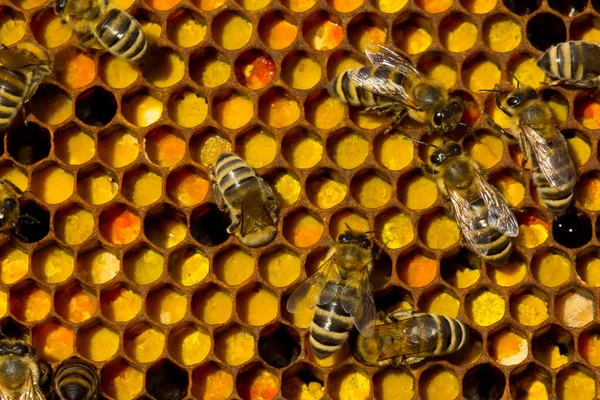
[76, 380]
[576, 62]
[496, 246]
[556, 198]
[346, 88]
[122, 35]
[234, 177]
[13, 88]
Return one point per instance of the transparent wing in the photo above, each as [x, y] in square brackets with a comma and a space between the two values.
[358, 301]
[381, 55]
[500, 216]
[415, 335]
[380, 85]
[467, 217]
[30, 392]
[254, 215]
[16, 58]
[308, 294]
[551, 154]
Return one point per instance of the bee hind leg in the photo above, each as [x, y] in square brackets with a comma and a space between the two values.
[400, 315]
[84, 40]
[398, 117]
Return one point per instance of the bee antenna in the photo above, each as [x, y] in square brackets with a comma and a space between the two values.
[517, 79]
[499, 91]
[420, 142]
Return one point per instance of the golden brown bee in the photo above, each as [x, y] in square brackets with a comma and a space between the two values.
[486, 221]
[575, 63]
[116, 30]
[21, 73]
[341, 291]
[250, 202]
[409, 337]
[543, 144]
[76, 380]
[21, 374]
[393, 86]
[10, 210]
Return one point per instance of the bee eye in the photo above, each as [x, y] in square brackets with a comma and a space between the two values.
[436, 158]
[365, 243]
[438, 117]
[513, 101]
[343, 239]
[20, 349]
[3, 349]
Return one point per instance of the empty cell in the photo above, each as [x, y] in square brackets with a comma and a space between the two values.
[73, 225]
[187, 188]
[257, 383]
[481, 73]
[343, 219]
[440, 68]
[142, 187]
[485, 307]
[97, 266]
[35, 232]
[523, 70]
[116, 72]
[188, 109]
[533, 231]
[14, 264]
[551, 268]
[575, 383]
[299, 6]
[324, 111]
[209, 68]
[280, 268]
[394, 384]
[393, 151]
[189, 345]
[255, 69]
[277, 30]
[479, 6]
[371, 189]
[233, 111]
[52, 264]
[120, 304]
[575, 309]
[580, 148]
[414, 35]
[188, 266]
[545, 30]
[208, 225]
[97, 343]
[502, 33]
[30, 303]
[97, 187]
[438, 231]
[440, 302]
[96, 106]
[417, 192]
[553, 347]
[143, 266]
[508, 348]
[53, 342]
[166, 306]
[212, 382]
[458, 33]
[74, 146]
[302, 149]
[52, 185]
[323, 31]
[345, 6]
[51, 105]
[396, 229]
[511, 188]
[529, 309]
[121, 381]
[76, 304]
[303, 229]
[573, 229]
[327, 190]
[286, 186]
[186, 28]
[233, 266]
[487, 150]
[48, 29]
[231, 30]
[588, 268]
[301, 71]
[144, 343]
[438, 383]
[417, 270]
[212, 306]
[257, 307]
[257, 147]
[484, 382]
[349, 383]
[206, 147]
[142, 109]
[510, 274]
[277, 109]
[234, 346]
[367, 28]
[118, 148]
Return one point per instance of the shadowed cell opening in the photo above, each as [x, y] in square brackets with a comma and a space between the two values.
[209, 226]
[523, 7]
[568, 8]
[96, 106]
[545, 30]
[167, 381]
[572, 230]
[28, 144]
[484, 382]
[34, 232]
[279, 345]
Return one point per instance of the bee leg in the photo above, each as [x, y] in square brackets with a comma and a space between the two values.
[501, 106]
[233, 226]
[400, 315]
[413, 360]
[398, 117]
[84, 40]
[14, 187]
[428, 169]
[28, 219]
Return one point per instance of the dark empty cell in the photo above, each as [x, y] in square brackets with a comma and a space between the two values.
[382, 270]
[545, 30]
[28, 144]
[209, 226]
[9, 328]
[568, 7]
[484, 382]
[278, 345]
[167, 382]
[523, 7]
[96, 106]
[391, 297]
[572, 230]
[33, 231]
[596, 5]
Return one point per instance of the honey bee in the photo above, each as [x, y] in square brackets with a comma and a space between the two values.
[10, 210]
[116, 30]
[341, 291]
[543, 144]
[250, 202]
[21, 374]
[409, 337]
[76, 380]
[21, 73]
[393, 86]
[575, 63]
[486, 221]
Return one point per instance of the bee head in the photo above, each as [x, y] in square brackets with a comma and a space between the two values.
[448, 149]
[353, 237]
[447, 118]
[520, 97]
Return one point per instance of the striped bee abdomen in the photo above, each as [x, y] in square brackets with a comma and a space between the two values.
[345, 87]
[122, 35]
[76, 380]
[556, 199]
[234, 176]
[452, 335]
[13, 85]
[573, 60]
[494, 244]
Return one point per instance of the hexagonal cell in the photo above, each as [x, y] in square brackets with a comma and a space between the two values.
[530, 379]
[209, 68]
[120, 303]
[29, 302]
[231, 30]
[277, 30]
[143, 265]
[234, 345]
[348, 149]
[75, 304]
[529, 307]
[255, 69]
[97, 185]
[279, 345]
[52, 184]
[533, 229]
[285, 185]
[280, 267]
[116, 72]
[162, 5]
[75, 69]
[232, 109]
[508, 346]
[19, 143]
[438, 231]
[51, 105]
[585, 190]
[172, 68]
[15, 174]
[302, 149]
[580, 146]
[371, 189]
[97, 266]
[164, 147]
[186, 187]
[206, 146]
[189, 345]
[551, 268]
[97, 342]
[395, 227]
[442, 301]
[142, 186]
[484, 382]
[212, 381]
[186, 28]
[52, 264]
[142, 108]
[394, 383]
[323, 31]
[14, 264]
[256, 305]
[208, 225]
[119, 225]
[324, 111]
[166, 305]
[576, 382]
[278, 109]
[300, 70]
[458, 33]
[188, 266]
[462, 270]
[510, 274]
[187, 108]
[553, 346]
[584, 27]
[573, 229]
[510, 186]
[48, 30]
[149, 22]
[326, 188]
[418, 269]
[212, 305]
[31, 233]
[545, 30]
[118, 147]
[413, 33]
[74, 146]
[437, 380]
[588, 266]
[233, 266]
[257, 147]
[367, 28]
[575, 308]
[524, 69]
[502, 33]
[487, 150]
[300, 379]
[393, 151]
[12, 25]
[347, 217]
[121, 381]
[342, 61]
[480, 72]
[143, 343]
[53, 341]
[96, 106]
[257, 379]
[485, 307]
[302, 228]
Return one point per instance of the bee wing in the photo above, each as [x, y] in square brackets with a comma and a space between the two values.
[253, 212]
[381, 55]
[308, 294]
[411, 336]
[551, 155]
[14, 58]
[500, 215]
[358, 301]
[30, 392]
[466, 217]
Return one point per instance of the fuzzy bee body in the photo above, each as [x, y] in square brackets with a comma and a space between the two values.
[575, 63]
[250, 202]
[76, 380]
[21, 374]
[10, 209]
[407, 337]
[345, 88]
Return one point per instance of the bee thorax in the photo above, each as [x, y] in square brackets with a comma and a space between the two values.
[14, 373]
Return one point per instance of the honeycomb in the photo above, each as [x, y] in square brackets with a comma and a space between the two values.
[132, 269]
